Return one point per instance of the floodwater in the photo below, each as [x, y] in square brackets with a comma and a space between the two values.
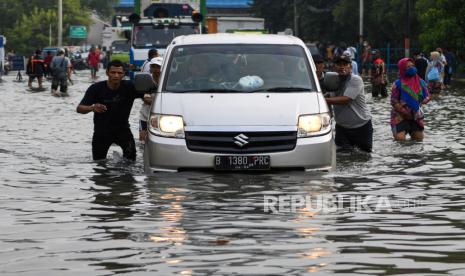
[402, 208]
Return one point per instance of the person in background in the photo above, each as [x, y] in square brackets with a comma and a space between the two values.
[11, 54]
[378, 75]
[408, 94]
[442, 58]
[366, 59]
[329, 52]
[9, 60]
[35, 69]
[93, 60]
[153, 53]
[353, 52]
[60, 70]
[111, 101]
[105, 57]
[70, 66]
[339, 50]
[434, 73]
[320, 67]
[155, 69]
[421, 63]
[145, 108]
[353, 118]
[449, 68]
[47, 61]
[98, 52]
[2, 62]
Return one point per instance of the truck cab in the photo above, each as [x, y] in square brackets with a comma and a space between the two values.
[158, 26]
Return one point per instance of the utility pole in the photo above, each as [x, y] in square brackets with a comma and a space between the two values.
[60, 22]
[407, 35]
[49, 35]
[296, 20]
[203, 12]
[360, 32]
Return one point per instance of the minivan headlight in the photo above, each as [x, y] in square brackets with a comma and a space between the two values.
[166, 125]
[315, 124]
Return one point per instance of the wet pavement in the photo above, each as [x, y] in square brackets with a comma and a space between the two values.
[62, 214]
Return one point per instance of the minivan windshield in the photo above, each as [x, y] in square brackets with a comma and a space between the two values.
[120, 46]
[239, 68]
[148, 36]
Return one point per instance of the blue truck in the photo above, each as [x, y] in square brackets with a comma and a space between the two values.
[157, 25]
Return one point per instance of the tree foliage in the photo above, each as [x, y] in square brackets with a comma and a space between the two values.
[26, 24]
[433, 23]
[103, 8]
[443, 24]
[33, 28]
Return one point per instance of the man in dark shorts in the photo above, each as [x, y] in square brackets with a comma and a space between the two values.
[111, 101]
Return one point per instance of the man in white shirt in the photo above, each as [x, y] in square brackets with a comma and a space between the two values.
[155, 69]
[146, 66]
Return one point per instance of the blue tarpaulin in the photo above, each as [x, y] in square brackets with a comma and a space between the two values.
[125, 3]
[210, 3]
[228, 3]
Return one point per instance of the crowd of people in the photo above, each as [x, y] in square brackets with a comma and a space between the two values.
[436, 68]
[418, 81]
[57, 66]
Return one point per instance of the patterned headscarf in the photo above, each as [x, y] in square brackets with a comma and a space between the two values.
[411, 89]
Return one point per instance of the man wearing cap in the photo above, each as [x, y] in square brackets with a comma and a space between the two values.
[146, 66]
[155, 69]
[353, 118]
[354, 63]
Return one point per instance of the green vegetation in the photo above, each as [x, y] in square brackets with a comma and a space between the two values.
[434, 23]
[124, 57]
[26, 24]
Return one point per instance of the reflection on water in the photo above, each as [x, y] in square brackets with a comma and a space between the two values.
[62, 213]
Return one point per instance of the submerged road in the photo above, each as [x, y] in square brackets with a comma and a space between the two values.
[398, 211]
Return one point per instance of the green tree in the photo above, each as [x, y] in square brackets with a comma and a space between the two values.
[315, 21]
[102, 7]
[442, 24]
[28, 25]
[31, 31]
[277, 14]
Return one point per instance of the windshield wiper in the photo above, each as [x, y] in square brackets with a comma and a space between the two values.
[209, 90]
[286, 89]
[219, 90]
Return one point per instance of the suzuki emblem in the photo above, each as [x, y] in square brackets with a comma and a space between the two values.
[241, 140]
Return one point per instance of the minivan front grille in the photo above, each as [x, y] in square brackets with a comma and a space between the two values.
[241, 142]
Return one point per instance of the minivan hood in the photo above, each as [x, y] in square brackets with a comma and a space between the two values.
[239, 109]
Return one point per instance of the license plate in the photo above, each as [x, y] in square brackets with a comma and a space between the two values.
[240, 162]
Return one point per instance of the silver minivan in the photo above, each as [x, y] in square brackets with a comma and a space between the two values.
[238, 102]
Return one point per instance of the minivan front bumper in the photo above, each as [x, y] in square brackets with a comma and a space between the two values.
[172, 154]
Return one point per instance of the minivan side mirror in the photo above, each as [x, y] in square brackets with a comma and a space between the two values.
[143, 82]
[331, 81]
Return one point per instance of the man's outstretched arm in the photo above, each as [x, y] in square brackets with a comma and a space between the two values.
[84, 109]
